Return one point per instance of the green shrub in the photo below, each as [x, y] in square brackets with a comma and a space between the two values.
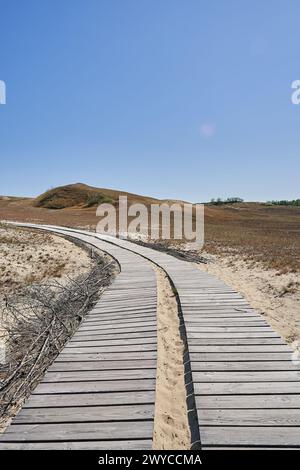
[96, 199]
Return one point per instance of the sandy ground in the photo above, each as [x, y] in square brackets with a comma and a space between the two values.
[29, 256]
[276, 296]
[171, 428]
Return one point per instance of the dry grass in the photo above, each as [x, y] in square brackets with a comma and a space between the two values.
[29, 256]
[257, 233]
[70, 196]
[81, 195]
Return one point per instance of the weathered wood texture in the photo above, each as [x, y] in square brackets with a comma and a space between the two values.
[245, 384]
[100, 391]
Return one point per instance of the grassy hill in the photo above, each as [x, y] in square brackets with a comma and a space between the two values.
[84, 196]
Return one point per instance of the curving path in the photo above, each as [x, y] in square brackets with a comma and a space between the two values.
[100, 391]
[243, 389]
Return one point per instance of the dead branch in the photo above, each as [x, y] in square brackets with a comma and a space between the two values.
[38, 321]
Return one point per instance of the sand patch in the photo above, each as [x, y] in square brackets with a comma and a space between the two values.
[28, 256]
[171, 428]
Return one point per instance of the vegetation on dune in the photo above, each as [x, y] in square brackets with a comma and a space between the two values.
[70, 196]
[285, 202]
[229, 200]
[95, 199]
[256, 232]
[83, 196]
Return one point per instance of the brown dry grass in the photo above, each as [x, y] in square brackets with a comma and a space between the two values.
[256, 233]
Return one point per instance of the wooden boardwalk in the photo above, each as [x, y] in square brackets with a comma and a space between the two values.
[240, 375]
[100, 391]
[243, 388]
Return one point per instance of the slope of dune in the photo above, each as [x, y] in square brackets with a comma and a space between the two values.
[82, 195]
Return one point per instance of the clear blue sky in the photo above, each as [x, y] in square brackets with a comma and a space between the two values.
[186, 99]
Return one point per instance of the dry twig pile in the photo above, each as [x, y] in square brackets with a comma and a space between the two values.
[38, 322]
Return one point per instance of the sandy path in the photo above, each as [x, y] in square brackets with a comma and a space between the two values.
[171, 428]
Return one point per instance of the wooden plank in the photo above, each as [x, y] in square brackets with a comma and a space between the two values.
[249, 356]
[245, 376]
[236, 388]
[234, 341]
[234, 402]
[250, 436]
[118, 349]
[120, 310]
[119, 324]
[215, 316]
[134, 315]
[225, 329]
[80, 431]
[97, 335]
[248, 334]
[252, 417]
[103, 365]
[106, 356]
[80, 376]
[244, 365]
[236, 348]
[89, 387]
[117, 330]
[77, 342]
[145, 321]
[84, 414]
[115, 326]
[90, 399]
[210, 307]
[226, 323]
[138, 444]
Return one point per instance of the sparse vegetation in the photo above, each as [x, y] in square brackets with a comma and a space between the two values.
[80, 195]
[229, 200]
[70, 196]
[31, 256]
[284, 202]
[256, 233]
[96, 199]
